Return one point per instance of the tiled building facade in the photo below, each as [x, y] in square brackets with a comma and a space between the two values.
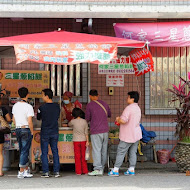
[161, 124]
[32, 16]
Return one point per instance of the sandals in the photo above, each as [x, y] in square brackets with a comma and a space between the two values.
[2, 175]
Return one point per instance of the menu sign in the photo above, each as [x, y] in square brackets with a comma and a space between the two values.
[115, 80]
[35, 81]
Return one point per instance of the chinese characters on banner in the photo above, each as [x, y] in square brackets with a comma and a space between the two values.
[142, 61]
[115, 80]
[121, 65]
[162, 34]
[35, 81]
[66, 54]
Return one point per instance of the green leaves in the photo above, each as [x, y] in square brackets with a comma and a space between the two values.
[182, 94]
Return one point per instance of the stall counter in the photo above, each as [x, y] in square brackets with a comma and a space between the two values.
[65, 147]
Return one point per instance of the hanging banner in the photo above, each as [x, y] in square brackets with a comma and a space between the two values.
[162, 34]
[66, 54]
[142, 61]
[122, 65]
[12, 80]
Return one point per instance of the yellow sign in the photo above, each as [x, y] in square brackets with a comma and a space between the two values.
[35, 81]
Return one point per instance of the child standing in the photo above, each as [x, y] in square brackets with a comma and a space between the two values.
[80, 140]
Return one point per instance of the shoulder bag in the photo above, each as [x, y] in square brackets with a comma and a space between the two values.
[101, 107]
[4, 126]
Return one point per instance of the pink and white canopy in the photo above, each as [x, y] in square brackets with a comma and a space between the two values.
[65, 48]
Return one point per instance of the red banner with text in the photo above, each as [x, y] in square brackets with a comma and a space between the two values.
[66, 54]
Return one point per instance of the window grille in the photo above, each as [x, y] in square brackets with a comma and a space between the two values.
[169, 64]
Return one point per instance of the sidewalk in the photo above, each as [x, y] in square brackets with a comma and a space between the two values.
[170, 166]
[149, 176]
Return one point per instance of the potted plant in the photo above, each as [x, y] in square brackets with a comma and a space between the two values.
[181, 95]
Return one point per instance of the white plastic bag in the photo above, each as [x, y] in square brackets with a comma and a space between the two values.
[87, 153]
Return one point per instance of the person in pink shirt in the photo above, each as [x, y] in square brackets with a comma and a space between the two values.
[129, 135]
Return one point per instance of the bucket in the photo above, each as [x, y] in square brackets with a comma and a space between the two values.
[163, 156]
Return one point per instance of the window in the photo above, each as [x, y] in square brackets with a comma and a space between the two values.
[73, 78]
[169, 64]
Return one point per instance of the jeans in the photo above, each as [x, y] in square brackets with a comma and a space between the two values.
[24, 139]
[45, 141]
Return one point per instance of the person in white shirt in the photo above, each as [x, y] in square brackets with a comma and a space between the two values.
[22, 118]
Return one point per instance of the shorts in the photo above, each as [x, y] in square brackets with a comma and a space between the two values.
[2, 139]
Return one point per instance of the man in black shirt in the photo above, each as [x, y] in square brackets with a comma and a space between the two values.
[49, 113]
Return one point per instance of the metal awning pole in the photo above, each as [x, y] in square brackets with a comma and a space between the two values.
[59, 91]
[147, 44]
[60, 103]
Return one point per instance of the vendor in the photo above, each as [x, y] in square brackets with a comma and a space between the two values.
[68, 106]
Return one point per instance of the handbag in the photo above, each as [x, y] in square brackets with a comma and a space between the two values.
[4, 126]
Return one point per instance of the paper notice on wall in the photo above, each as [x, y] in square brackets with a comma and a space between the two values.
[115, 80]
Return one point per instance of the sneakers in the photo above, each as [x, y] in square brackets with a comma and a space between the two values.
[45, 175]
[29, 171]
[24, 174]
[56, 174]
[113, 173]
[96, 173]
[128, 172]
[27, 174]
[20, 175]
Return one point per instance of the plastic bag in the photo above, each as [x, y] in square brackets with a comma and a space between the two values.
[87, 153]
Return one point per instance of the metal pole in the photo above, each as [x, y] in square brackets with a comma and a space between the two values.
[53, 79]
[89, 86]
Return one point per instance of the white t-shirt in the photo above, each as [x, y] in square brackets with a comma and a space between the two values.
[21, 112]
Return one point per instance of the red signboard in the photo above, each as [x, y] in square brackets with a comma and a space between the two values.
[142, 61]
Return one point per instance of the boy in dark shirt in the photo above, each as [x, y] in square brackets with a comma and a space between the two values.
[49, 113]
